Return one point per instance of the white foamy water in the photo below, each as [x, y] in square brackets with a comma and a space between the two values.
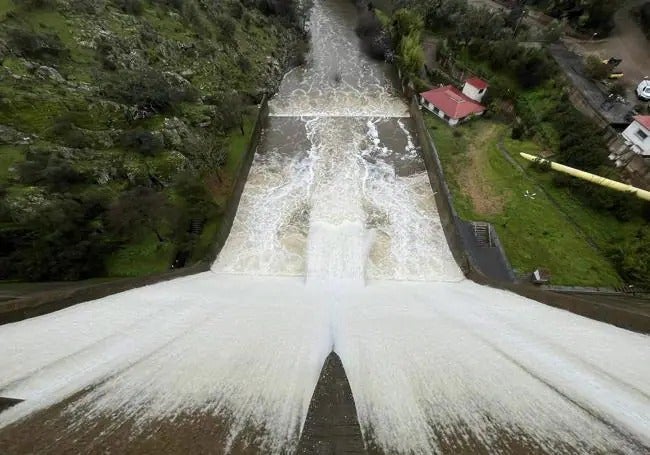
[337, 245]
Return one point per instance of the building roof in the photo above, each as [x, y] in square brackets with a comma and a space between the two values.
[477, 82]
[452, 102]
[643, 120]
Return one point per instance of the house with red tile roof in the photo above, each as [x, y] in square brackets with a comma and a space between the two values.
[454, 106]
[637, 135]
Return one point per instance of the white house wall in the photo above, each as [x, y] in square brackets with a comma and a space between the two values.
[473, 92]
[641, 146]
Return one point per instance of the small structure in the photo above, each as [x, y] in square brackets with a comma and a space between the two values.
[454, 106]
[637, 135]
[475, 88]
[540, 276]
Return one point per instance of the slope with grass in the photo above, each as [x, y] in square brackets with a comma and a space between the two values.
[534, 231]
[104, 104]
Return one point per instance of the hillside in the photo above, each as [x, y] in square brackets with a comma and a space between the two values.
[119, 124]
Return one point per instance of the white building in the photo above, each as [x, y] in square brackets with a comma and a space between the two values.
[475, 88]
[637, 135]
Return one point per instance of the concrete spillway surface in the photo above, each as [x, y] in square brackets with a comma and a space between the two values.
[337, 246]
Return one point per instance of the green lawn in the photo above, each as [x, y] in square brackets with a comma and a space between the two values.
[534, 231]
[601, 227]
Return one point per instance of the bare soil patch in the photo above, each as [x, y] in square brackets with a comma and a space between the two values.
[473, 175]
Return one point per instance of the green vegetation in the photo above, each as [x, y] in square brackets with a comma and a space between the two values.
[534, 231]
[585, 15]
[123, 123]
[530, 96]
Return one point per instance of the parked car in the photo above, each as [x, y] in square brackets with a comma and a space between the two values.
[643, 90]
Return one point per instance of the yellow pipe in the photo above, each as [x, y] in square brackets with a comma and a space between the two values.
[602, 181]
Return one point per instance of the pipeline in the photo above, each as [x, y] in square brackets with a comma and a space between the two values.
[597, 179]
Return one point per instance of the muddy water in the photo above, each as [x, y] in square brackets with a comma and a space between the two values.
[336, 246]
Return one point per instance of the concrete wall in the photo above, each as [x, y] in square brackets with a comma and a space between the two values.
[459, 233]
[53, 300]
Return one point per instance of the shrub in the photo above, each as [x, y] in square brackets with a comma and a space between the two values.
[149, 90]
[517, 131]
[133, 7]
[617, 88]
[142, 141]
[236, 10]
[49, 169]
[36, 45]
[227, 27]
[595, 68]
[30, 5]
[632, 258]
[244, 64]
[64, 240]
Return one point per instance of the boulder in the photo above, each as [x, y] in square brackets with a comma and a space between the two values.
[47, 72]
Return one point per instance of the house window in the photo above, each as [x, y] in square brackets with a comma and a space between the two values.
[641, 134]
[446, 117]
[481, 91]
[435, 109]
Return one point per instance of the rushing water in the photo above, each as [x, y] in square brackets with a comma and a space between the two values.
[336, 246]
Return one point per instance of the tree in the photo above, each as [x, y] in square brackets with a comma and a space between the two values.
[149, 90]
[142, 141]
[411, 56]
[49, 169]
[64, 240]
[232, 112]
[190, 186]
[141, 207]
[595, 68]
[405, 22]
[632, 258]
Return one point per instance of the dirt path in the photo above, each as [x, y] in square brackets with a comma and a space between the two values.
[473, 177]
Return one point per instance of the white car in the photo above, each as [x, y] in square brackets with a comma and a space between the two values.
[643, 90]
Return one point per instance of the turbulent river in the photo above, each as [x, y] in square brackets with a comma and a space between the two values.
[336, 246]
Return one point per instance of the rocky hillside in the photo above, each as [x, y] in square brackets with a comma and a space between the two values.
[120, 121]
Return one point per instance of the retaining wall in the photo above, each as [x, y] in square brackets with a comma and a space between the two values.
[489, 261]
[48, 301]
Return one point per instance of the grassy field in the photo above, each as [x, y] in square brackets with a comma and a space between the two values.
[534, 231]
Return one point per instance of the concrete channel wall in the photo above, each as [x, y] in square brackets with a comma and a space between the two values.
[470, 255]
[48, 301]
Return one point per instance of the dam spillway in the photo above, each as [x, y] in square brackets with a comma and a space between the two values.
[336, 246]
